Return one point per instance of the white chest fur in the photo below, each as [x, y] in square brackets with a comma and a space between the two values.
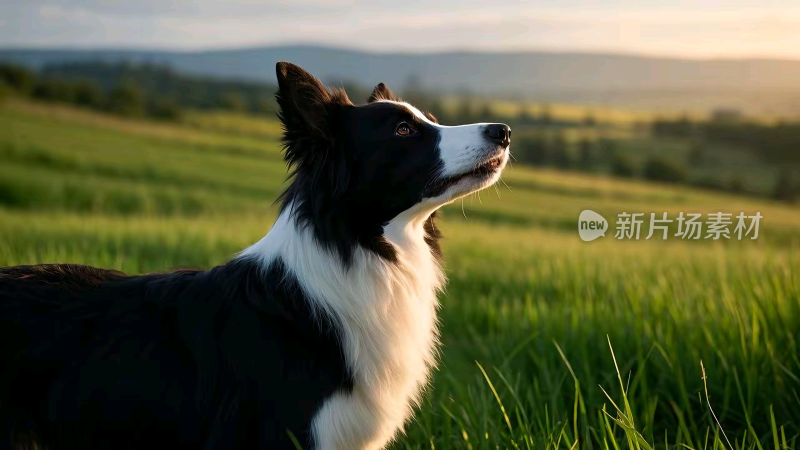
[388, 312]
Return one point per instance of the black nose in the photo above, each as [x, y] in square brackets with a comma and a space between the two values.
[499, 133]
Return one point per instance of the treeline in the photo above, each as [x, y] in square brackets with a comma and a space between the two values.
[135, 89]
[552, 148]
[541, 147]
[779, 143]
[159, 91]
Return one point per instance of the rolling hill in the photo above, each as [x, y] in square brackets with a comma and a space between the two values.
[498, 73]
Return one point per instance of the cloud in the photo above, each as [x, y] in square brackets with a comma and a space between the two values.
[671, 27]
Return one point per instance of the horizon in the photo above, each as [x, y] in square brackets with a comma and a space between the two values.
[453, 50]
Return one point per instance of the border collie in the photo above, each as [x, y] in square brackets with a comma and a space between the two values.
[324, 332]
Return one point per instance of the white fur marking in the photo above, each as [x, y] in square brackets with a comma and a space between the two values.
[389, 315]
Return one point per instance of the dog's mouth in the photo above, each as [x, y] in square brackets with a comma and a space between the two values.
[479, 174]
[489, 167]
[482, 170]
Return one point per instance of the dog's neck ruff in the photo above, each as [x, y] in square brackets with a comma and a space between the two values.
[386, 314]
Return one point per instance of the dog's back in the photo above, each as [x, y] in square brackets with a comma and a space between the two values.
[95, 359]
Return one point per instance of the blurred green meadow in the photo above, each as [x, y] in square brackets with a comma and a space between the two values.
[548, 341]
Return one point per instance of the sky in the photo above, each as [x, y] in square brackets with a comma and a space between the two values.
[693, 29]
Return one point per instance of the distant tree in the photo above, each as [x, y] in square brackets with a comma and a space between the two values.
[658, 169]
[696, 155]
[266, 104]
[726, 115]
[465, 111]
[546, 116]
[589, 119]
[165, 108]
[17, 78]
[736, 185]
[607, 148]
[233, 101]
[708, 183]
[559, 154]
[585, 156]
[54, 90]
[127, 100]
[641, 127]
[5, 91]
[89, 94]
[621, 166]
[531, 149]
[525, 116]
[156, 82]
[485, 114]
[784, 188]
[683, 127]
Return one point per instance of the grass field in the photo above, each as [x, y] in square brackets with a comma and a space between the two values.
[531, 313]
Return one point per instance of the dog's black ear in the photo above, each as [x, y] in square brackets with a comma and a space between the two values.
[381, 92]
[304, 102]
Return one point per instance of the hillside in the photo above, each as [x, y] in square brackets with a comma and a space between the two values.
[485, 72]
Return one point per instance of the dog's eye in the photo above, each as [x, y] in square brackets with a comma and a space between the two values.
[404, 130]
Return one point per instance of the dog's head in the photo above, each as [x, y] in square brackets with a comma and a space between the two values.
[359, 167]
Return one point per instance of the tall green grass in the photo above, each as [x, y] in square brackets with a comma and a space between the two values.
[536, 309]
[548, 341]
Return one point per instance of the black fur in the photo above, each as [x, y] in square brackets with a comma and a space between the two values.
[190, 359]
